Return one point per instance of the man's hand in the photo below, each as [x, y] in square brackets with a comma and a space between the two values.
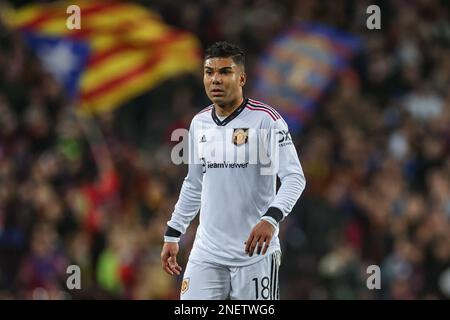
[261, 234]
[169, 258]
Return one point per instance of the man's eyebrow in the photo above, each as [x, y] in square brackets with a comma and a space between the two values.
[222, 69]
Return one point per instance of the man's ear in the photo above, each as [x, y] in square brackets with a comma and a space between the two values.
[242, 79]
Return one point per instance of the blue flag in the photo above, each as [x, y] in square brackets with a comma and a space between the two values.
[298, 68]
[64, 58]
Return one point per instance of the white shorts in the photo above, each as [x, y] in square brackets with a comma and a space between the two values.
[210, 281]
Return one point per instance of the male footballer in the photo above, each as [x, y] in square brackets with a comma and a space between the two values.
[236, 253]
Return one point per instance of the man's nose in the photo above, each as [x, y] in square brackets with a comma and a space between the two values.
[216, 79]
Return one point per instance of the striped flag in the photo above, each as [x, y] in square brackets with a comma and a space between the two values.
[298, 68]
[121, 50]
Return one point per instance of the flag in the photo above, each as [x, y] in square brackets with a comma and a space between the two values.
[121, 50]
[298, 68]
[63, 58]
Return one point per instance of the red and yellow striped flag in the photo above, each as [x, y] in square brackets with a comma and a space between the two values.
[131, 49]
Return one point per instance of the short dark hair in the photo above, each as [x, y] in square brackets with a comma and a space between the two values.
[225, 49]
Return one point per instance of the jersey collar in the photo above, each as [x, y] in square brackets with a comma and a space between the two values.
[233, 115]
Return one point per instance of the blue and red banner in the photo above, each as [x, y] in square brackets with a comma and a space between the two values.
[299, 66]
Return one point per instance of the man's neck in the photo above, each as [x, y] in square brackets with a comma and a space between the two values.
[225, 111]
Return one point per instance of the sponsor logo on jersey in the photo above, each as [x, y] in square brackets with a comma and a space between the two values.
[285, 138]
[227, 165]
[203, 165]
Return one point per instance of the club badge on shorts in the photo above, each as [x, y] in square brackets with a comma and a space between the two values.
[184, 285]
[240, 136]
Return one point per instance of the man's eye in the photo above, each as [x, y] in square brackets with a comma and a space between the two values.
[208, 72]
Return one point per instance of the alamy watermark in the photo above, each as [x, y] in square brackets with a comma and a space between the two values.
[74, 20]
[74, 279]
[374, 280]
[374, 20]
[235, 148]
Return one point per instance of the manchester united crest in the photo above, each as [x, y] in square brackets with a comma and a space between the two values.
[240, 136]
[184, 285]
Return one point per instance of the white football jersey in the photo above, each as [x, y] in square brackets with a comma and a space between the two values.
[231, 179]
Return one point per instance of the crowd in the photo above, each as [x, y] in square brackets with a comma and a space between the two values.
[97, 192]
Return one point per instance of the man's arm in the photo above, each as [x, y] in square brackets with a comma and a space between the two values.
[284, 156]
[289, 171]
[188, 203]
[186, 208]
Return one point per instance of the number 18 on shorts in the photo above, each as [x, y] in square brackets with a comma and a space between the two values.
[210, 281]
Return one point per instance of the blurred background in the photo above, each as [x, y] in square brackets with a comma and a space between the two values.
[86, 117]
